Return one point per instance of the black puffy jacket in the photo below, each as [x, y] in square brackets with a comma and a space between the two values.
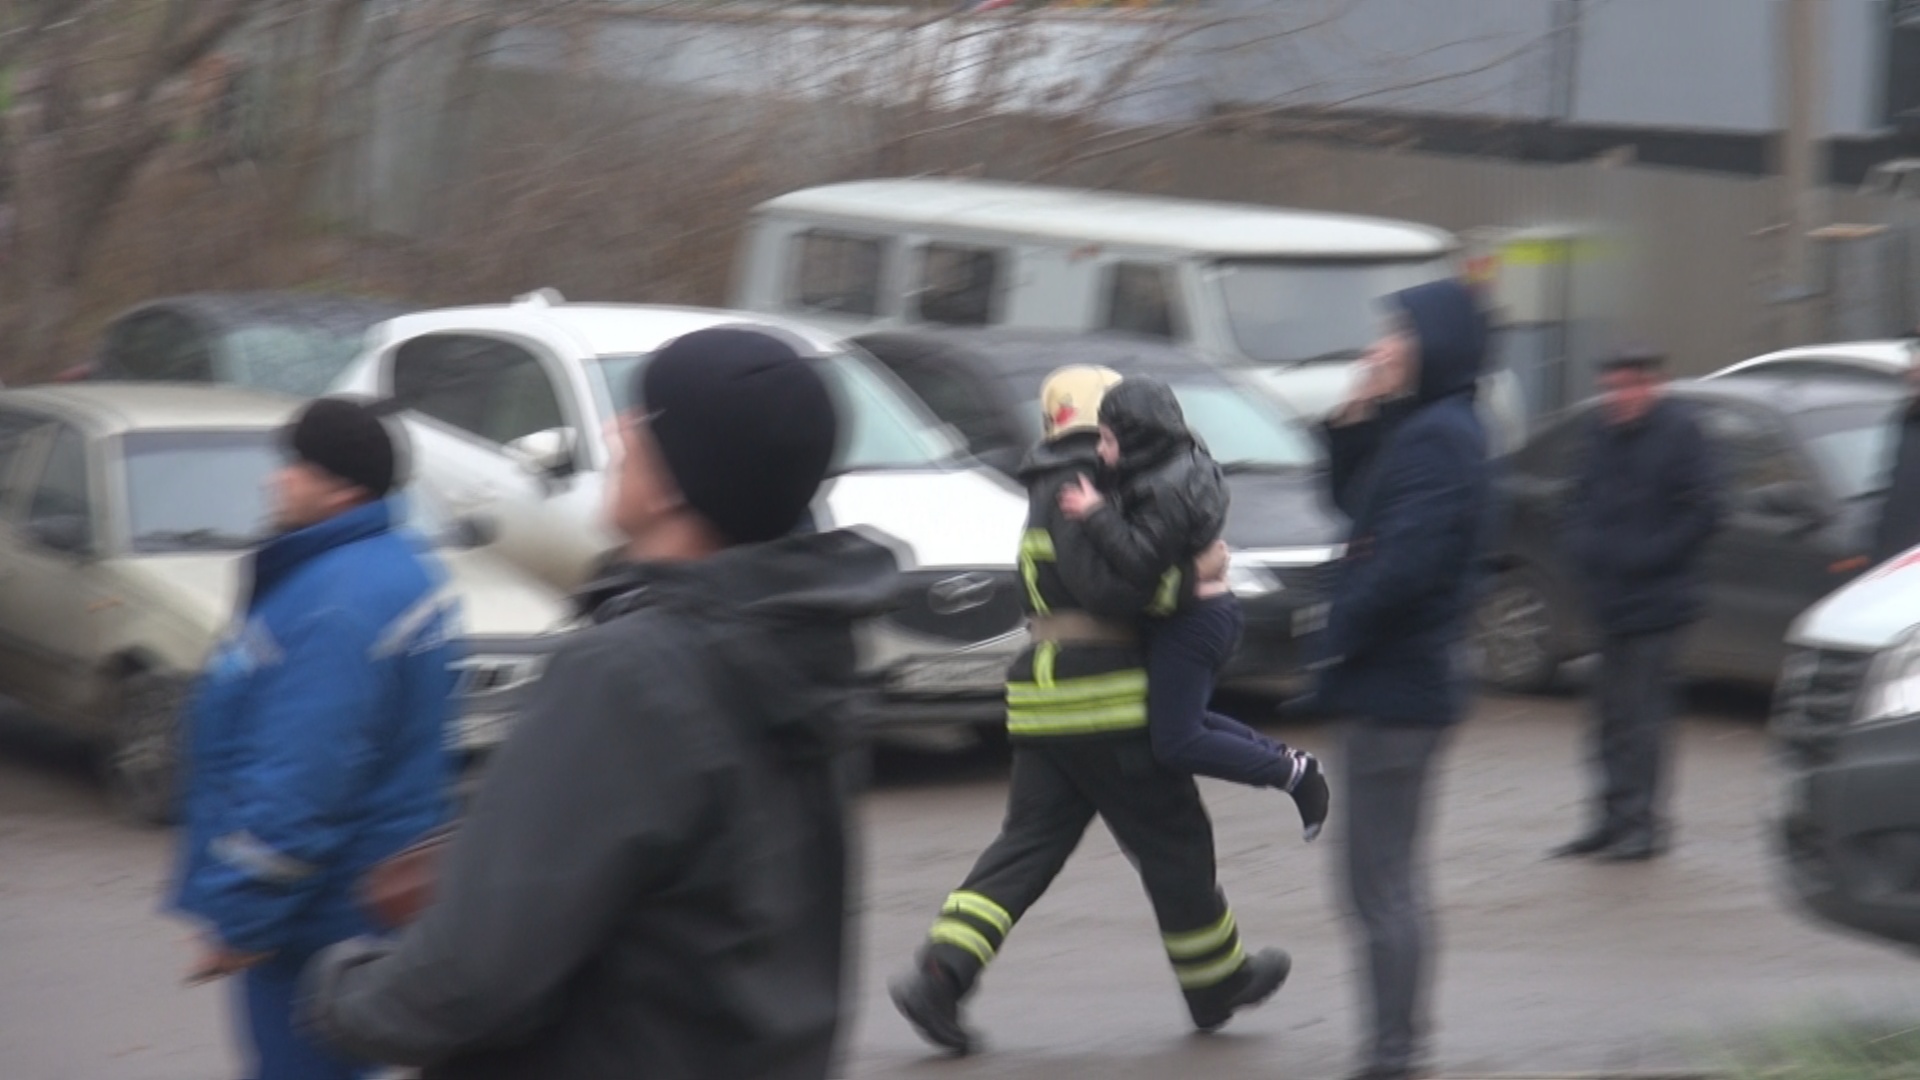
[1170, 497]
[653, 881]
[1050, 685]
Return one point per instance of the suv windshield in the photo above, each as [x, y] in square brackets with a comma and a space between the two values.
[1301, 312]
[888, 431]
[1244, 432]
[199, 490]
[1852, 444]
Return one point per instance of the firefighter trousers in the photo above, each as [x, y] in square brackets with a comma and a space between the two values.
[1058, 786]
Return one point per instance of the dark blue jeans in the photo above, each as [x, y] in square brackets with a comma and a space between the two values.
[281, 1051]
[1185, 654]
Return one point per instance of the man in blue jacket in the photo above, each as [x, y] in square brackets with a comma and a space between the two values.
[1641, 515]
[316, 744]
[1409, 467]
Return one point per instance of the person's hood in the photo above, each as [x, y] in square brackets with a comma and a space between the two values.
[782, 618]
[1452, 330]
[1147, 422]
[1074, 450]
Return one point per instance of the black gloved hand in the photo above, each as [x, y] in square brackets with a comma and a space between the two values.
[1311, 795]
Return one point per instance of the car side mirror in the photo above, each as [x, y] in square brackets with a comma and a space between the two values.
[69, 534]
[546, 454]
[473, 531]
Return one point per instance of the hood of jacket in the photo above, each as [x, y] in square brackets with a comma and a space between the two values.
[1447, 321]
[1147, 421]
[1074, 450]
[778, 618]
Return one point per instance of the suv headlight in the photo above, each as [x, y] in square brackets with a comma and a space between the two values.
[1892, 689]
[1249, 580]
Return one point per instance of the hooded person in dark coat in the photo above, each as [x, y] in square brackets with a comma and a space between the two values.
[1409, 466]
[1638, 523]
[1899, 526]
[653, 880]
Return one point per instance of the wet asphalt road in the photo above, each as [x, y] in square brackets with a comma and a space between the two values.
[1548, 967]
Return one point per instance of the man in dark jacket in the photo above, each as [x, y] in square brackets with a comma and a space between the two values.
[1899, 527]
[1409, 465]
[652, 883]
[1637, 524]
[1077, 718]
[317, 738]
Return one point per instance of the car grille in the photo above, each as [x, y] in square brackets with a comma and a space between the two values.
[1818, 693]
[962, 607]
[496, 678]
[1308, 584]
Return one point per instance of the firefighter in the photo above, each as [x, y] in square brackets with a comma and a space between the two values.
[1077, 719]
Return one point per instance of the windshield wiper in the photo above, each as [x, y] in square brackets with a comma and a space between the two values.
[195, 540]
[1327, 357]
[1239, 468]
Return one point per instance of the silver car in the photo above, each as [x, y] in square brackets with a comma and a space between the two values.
[125, 513]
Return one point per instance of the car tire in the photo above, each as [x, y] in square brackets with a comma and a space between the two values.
[142, 759]
[1514, 636]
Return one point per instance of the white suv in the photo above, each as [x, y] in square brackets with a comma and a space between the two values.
[1846, 718]
[507, 405]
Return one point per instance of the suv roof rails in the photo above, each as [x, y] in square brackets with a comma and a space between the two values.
[540, 298]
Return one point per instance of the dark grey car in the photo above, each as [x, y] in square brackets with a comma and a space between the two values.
[1801, 463]
[285, 342]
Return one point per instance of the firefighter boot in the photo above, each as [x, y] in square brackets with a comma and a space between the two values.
[1254, 983]
[929, 997]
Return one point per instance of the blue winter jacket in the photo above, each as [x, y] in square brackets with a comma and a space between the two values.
[1416, 483]
[317, 736]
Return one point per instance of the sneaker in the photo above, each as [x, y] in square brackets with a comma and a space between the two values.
[1264, 974]
[930, 1000]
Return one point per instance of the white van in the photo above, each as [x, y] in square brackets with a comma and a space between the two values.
[1292, 294]
[507, 406]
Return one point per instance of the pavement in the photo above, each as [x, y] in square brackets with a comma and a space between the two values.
[1548, 968]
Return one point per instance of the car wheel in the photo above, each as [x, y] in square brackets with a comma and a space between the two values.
[143, 754]
[1513, 635]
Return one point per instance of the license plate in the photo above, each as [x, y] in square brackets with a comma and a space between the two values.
[1310, 619]
[948, 675]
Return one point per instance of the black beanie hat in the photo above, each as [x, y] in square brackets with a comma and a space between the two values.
[348, 440]
[746, 425]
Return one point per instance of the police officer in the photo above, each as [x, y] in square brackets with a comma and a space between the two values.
[1077, 717]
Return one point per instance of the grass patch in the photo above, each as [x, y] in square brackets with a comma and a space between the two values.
[1858, 1051]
